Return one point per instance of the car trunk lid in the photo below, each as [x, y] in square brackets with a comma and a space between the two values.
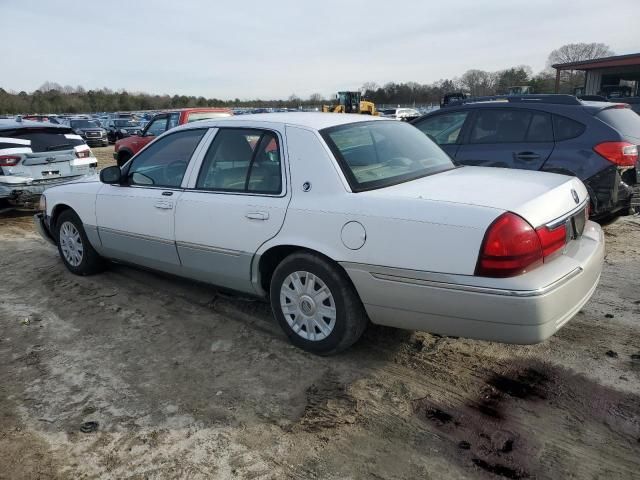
[538, 197]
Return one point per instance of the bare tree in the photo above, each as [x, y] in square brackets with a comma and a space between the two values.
[577, 52]
[315, 99]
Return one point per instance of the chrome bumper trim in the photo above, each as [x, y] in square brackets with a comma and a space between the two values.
[477, 289]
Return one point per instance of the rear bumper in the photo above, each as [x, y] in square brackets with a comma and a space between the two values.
[41, 222]
[611, 191]
[28, 194]
[474, 310]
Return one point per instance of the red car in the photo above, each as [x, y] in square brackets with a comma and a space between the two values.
[127, 147]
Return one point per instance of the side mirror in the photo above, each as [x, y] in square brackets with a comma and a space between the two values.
[111, 175]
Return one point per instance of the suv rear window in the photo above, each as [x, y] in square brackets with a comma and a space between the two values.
[564, 128]
[48, 139]
[624, 120]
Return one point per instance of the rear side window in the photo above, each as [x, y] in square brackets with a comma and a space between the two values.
[565, 129]
[624, 120]
[242, 160]
[48, 140]
[445, 128]
[511, 126]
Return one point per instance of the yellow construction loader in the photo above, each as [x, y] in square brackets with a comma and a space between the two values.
[351, 102]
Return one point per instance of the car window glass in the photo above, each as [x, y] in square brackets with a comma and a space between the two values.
[500, 126]
[157, 127]
[445, 129]
[174, 120]
[163, 163]
[242, 160]
[540, 129]
[376, 154]
[564, 128]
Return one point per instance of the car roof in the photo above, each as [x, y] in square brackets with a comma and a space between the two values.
[13, 124]
[313, 120]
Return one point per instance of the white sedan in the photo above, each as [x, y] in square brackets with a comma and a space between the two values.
[338, 220]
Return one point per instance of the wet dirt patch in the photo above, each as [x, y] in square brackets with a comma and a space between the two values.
[489, 431]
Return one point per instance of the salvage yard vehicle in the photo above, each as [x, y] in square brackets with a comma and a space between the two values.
[90, 131]
[34, 156]
[337, 220]
[594, 141]
[160, 123]
[351, 102]
[118, 128]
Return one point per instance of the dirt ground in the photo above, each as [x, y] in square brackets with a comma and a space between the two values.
[185, 382]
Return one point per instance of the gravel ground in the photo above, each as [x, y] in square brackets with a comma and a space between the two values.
[130, 374]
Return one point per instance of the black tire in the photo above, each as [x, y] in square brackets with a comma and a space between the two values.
[351, 319]
[90, 262]
[123, 157]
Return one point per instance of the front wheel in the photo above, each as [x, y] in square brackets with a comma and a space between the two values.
[73, 245]
[316, 305]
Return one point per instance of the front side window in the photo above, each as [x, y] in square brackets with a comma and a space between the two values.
[445, 128]
[164, 162]
[378, 154]
[157, 127]
[242, 160]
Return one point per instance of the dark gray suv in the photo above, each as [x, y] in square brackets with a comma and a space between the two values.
[595, 141]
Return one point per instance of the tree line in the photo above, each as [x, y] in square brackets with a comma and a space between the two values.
[54, 98]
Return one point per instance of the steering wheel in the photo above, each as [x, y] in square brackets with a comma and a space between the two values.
[174, 171]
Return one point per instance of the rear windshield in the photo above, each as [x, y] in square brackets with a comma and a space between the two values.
[195, 116]
[47, 140]
[624, 120]
[378, 154]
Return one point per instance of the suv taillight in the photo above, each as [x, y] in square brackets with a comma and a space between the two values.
[623, 154]
[83, 153]
[9, 160]
[511, 246]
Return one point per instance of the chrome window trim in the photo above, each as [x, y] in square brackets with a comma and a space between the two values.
[477, 289]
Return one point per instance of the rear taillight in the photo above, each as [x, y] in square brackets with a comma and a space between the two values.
[83, 153]
[623, 154]
[9, 160]
[510, 247]
[552, 240]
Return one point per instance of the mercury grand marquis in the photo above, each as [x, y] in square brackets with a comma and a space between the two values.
[339, 220]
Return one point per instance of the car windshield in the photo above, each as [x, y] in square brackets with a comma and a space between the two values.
[84, 124]
[378, 154]
[125, 123]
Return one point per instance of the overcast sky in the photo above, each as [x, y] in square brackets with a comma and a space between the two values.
[271, 49]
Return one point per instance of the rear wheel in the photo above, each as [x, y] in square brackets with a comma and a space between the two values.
[316, 305]
[73, 245]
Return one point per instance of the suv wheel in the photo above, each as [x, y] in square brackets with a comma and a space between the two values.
[73, 245]
[316, 305]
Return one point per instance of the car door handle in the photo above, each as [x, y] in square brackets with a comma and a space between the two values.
[257, 216]
[164, 205]
[526, 155]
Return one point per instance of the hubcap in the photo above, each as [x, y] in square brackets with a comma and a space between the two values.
[71, 244]
[308, 306]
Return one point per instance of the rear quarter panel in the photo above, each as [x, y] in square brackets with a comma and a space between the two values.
[403, 233]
